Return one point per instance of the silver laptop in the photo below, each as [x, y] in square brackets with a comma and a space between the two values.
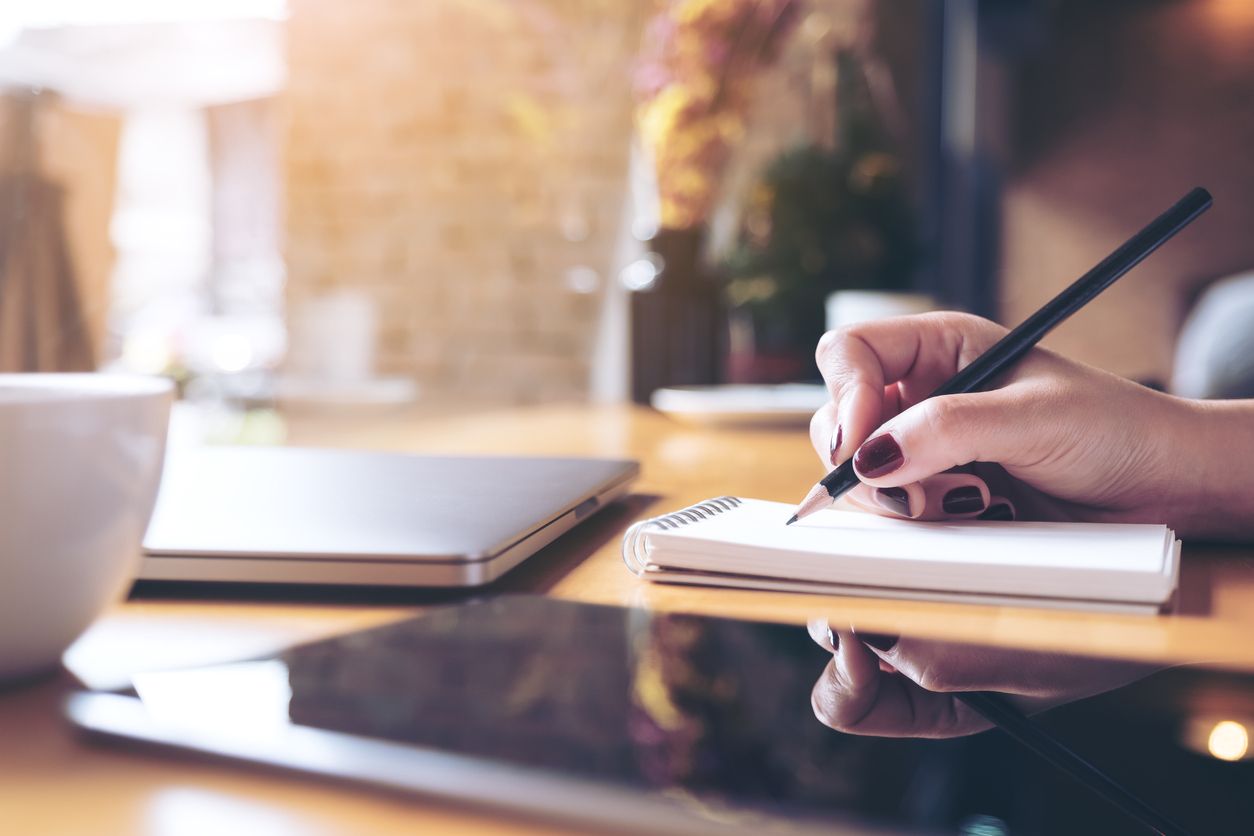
[293, 515]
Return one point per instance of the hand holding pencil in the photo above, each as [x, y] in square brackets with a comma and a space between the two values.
[1052, 438]
[1052, 442]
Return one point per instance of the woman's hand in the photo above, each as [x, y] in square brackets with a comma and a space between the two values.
[889, 687]
[1055, 440]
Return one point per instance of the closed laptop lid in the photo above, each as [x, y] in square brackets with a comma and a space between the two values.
[296, 502]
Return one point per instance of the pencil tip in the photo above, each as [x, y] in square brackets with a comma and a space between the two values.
[816, 499]
[791, 520]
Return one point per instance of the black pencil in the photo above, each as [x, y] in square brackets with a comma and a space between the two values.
[982, 371]
[1011, 721]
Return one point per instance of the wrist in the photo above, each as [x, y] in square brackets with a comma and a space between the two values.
[1213, 472]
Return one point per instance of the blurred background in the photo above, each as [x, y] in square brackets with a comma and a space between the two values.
[306, 204]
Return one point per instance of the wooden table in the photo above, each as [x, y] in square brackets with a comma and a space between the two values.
[52, 783]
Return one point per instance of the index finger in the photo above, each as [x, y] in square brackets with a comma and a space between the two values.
[917, 353]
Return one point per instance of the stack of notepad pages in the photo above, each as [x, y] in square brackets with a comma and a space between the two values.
[737, 542]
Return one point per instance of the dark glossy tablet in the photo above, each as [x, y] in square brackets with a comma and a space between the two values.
[674, 723]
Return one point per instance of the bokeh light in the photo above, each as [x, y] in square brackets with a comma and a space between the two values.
[1228, 741]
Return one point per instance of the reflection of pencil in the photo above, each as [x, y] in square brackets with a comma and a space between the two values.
[1009, 719]
[984, 370]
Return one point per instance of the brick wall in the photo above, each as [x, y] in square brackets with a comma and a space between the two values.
[455, 161]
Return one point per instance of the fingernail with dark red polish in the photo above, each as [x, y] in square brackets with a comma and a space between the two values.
[878, 457]
[894, 499]
[833, 639]
[836, 437]
[964, 500]
[1000, 511]
[879, 641]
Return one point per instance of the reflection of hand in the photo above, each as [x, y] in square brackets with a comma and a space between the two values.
[887, 687]
[1056, 439]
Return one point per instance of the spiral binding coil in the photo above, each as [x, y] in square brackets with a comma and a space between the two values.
[636, 555]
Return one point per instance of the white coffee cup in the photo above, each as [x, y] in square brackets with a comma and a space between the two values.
[80, 462]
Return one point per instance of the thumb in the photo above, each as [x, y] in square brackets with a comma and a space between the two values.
[943, 432]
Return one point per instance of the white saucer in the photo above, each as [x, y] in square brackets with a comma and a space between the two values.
[775, 405]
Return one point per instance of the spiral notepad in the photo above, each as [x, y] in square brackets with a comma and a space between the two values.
[731, 541]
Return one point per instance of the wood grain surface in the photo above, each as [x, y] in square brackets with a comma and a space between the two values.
[51, 782]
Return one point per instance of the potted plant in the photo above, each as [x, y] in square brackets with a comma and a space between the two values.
[820, 221]
[694, 83]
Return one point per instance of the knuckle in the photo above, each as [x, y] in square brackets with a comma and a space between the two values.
[835, 343]
[835, 704]
[831, 359]
[824, 703]
[832, 344]
[825, 716]
[832, 717]
[975, 333]
[825, 345]
[967, 322]
[945, 418]
[931, 679]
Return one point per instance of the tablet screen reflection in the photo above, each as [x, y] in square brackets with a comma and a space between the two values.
[728, 712]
